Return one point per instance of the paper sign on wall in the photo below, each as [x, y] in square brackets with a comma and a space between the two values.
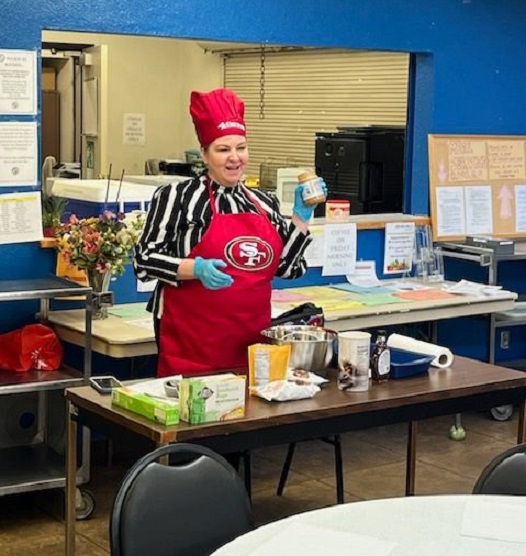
[18, 153]
[134, 129]
[18, 69]
[340, 249]
[314, 254]
[398, 247]
[20, 217]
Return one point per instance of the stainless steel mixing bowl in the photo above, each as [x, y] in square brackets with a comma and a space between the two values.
[312, 347]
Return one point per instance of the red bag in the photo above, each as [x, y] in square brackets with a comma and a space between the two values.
[33, 346]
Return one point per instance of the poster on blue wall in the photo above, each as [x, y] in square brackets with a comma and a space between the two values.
[18, 70]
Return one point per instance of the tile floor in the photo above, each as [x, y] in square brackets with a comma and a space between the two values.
[374, 466]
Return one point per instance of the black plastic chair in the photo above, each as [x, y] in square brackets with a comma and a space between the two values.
[505, 474]
[338, 466]
[189, 508]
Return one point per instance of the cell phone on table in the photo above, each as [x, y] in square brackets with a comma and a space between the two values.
[104, 384]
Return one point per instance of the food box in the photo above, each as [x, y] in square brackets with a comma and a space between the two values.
[212, 398]
[165, 412]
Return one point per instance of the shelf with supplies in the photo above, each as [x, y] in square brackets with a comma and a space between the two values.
[32, 403]
[496, 261]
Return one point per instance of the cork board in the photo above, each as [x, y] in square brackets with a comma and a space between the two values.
[477, 186]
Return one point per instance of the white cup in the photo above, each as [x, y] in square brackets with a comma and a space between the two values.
[353, 361]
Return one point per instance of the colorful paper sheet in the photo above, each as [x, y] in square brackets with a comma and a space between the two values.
[129, 312]
[424, 295]
[288, 296]
[373, 300]
[362, 290]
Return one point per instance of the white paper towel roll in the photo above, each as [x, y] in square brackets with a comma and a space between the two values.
[443, 357]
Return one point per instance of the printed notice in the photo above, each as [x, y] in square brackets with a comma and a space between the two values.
[133, 129]
[398, 247]
[340, 249]
[467, 160]
[20, 217]
[479, 212]
[450, 211]
[520, 208]
[18, 87]
[18, 153]
[314, 251]
[506, 160]
[504, 202]
[364, 275]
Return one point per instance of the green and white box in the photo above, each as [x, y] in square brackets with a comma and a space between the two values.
[212, 398]
[161, 411]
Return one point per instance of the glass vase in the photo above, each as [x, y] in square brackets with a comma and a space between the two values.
[99, 282]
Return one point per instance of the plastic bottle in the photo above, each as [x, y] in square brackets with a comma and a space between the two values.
[313, 193]
[380, 358]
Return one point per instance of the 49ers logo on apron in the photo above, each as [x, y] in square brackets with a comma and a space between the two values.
[249, 253]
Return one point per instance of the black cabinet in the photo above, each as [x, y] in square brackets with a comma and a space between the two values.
[364, 165]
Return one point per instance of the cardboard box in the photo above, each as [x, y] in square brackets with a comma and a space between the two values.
[161, 411]
[212, 398]
[49, 79]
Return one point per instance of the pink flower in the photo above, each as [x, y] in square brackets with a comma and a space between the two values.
[103, 244]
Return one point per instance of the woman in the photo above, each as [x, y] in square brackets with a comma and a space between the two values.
[215, 246]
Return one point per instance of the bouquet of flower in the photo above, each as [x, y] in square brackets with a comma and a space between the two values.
[101, 244]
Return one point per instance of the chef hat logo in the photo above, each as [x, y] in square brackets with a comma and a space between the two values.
[217, 113]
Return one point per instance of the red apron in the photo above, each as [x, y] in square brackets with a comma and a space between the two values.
[207, 330]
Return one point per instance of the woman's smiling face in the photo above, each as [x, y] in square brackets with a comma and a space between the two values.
[226, 159]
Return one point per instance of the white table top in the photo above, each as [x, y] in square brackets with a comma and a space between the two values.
[127, 332]
[452, 525]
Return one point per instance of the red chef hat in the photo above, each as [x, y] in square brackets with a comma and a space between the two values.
[217, 113]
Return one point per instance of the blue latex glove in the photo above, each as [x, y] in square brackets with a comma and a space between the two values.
[304, 211]
[207, 271]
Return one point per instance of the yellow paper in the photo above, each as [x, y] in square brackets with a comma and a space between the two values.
[318, 293]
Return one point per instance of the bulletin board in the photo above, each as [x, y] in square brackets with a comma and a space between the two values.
[477, 186]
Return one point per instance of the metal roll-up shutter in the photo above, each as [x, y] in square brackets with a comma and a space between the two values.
[301, 92]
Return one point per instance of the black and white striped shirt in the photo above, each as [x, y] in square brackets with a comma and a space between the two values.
[180, 214]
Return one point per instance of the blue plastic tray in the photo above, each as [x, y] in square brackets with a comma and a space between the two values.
[407, 363]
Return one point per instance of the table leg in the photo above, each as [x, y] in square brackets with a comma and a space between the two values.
[71, 479]
[164, 460]
[520, 426]
[410, 459]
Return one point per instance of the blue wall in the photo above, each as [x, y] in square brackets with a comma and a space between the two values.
[468, 72]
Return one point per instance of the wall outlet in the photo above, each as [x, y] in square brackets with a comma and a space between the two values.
[505, 339]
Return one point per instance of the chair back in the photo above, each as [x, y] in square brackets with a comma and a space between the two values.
[505, 474]
[151, 167]
[186, 509]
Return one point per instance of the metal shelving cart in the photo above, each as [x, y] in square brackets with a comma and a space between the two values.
[33, 409]
[490, 260]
